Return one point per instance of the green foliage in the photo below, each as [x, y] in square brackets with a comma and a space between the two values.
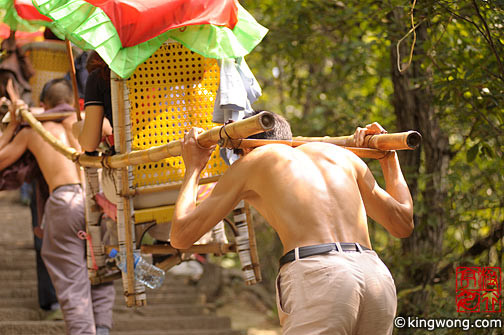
[323, 64]
[326, 66]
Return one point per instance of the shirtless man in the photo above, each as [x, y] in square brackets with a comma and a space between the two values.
[316, 197]
[86, 309]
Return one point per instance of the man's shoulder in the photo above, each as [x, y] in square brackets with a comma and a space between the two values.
[25, 131]
[271, 150]
[53, 126]
[260, 156]
[279, 151]
[328, 149]
[321, 146]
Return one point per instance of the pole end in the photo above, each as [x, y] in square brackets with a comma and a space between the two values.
[267, 120]
[414, 139]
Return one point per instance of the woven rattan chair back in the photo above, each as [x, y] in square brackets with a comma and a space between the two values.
[173, 91]
[50, 61]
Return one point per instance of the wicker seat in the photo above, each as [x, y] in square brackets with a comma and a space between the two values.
[169, 93]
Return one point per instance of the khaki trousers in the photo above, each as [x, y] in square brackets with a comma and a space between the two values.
[83, 306]
[338, 293]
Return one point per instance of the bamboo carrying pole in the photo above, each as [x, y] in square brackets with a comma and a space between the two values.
[74, 78]
[256, 124]
[52, 116]
[377, 146]
[254, 143]
[240, 129]
[42, 117]
[397, 141]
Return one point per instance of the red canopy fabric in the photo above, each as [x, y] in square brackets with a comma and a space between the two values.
[27, 11]
[137, 21]
[21, 36]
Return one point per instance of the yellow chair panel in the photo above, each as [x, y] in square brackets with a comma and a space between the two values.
[171, 92]
[49, 64]
[156, 214]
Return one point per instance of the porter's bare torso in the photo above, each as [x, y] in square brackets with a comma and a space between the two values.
[56, 168]
[309, 195]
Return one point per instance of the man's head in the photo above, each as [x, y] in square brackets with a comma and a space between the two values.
[56, 92]
[281, 131]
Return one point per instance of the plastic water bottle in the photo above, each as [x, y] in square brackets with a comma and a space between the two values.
[146, 273]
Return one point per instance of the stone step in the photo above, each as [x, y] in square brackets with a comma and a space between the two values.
[32, 327]
[161, 298]
[16, 283]
[160, 310]
[176, 288]
[27, 274]
[20, 245]
[167, 299]
[182, 332]
[17, 256]
[16, 249]
[13, 264]
[19, 292]
[173, 322]
[18, 314]
[18, 302]
[169, 281]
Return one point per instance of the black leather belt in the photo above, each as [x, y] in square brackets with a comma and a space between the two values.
[319, 250]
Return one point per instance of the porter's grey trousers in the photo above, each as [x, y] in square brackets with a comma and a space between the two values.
[84, 306]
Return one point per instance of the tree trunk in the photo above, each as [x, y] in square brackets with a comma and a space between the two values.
[413, 109]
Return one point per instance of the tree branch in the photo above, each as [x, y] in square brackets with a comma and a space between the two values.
[489, 39]
[477, 248]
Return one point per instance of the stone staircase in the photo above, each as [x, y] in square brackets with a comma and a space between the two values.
[176, 308]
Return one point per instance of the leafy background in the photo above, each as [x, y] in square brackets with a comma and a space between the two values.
[329, 66]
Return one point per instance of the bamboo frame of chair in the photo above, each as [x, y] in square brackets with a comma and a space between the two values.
[254, 255]
[95, 258]
[210, 248]
[134, 291]
[123, 161]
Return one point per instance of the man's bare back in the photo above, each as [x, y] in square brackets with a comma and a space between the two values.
[309, 194]
[56, 168]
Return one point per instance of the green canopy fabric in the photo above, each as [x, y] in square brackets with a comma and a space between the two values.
[90, 28]
[29, 20]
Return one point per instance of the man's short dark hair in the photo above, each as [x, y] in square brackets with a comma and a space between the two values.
[56, 91]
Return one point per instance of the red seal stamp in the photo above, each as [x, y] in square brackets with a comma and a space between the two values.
[477, 289]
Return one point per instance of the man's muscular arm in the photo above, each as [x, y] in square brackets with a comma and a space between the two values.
[12, 149]
[392, 208]
[189, 221]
